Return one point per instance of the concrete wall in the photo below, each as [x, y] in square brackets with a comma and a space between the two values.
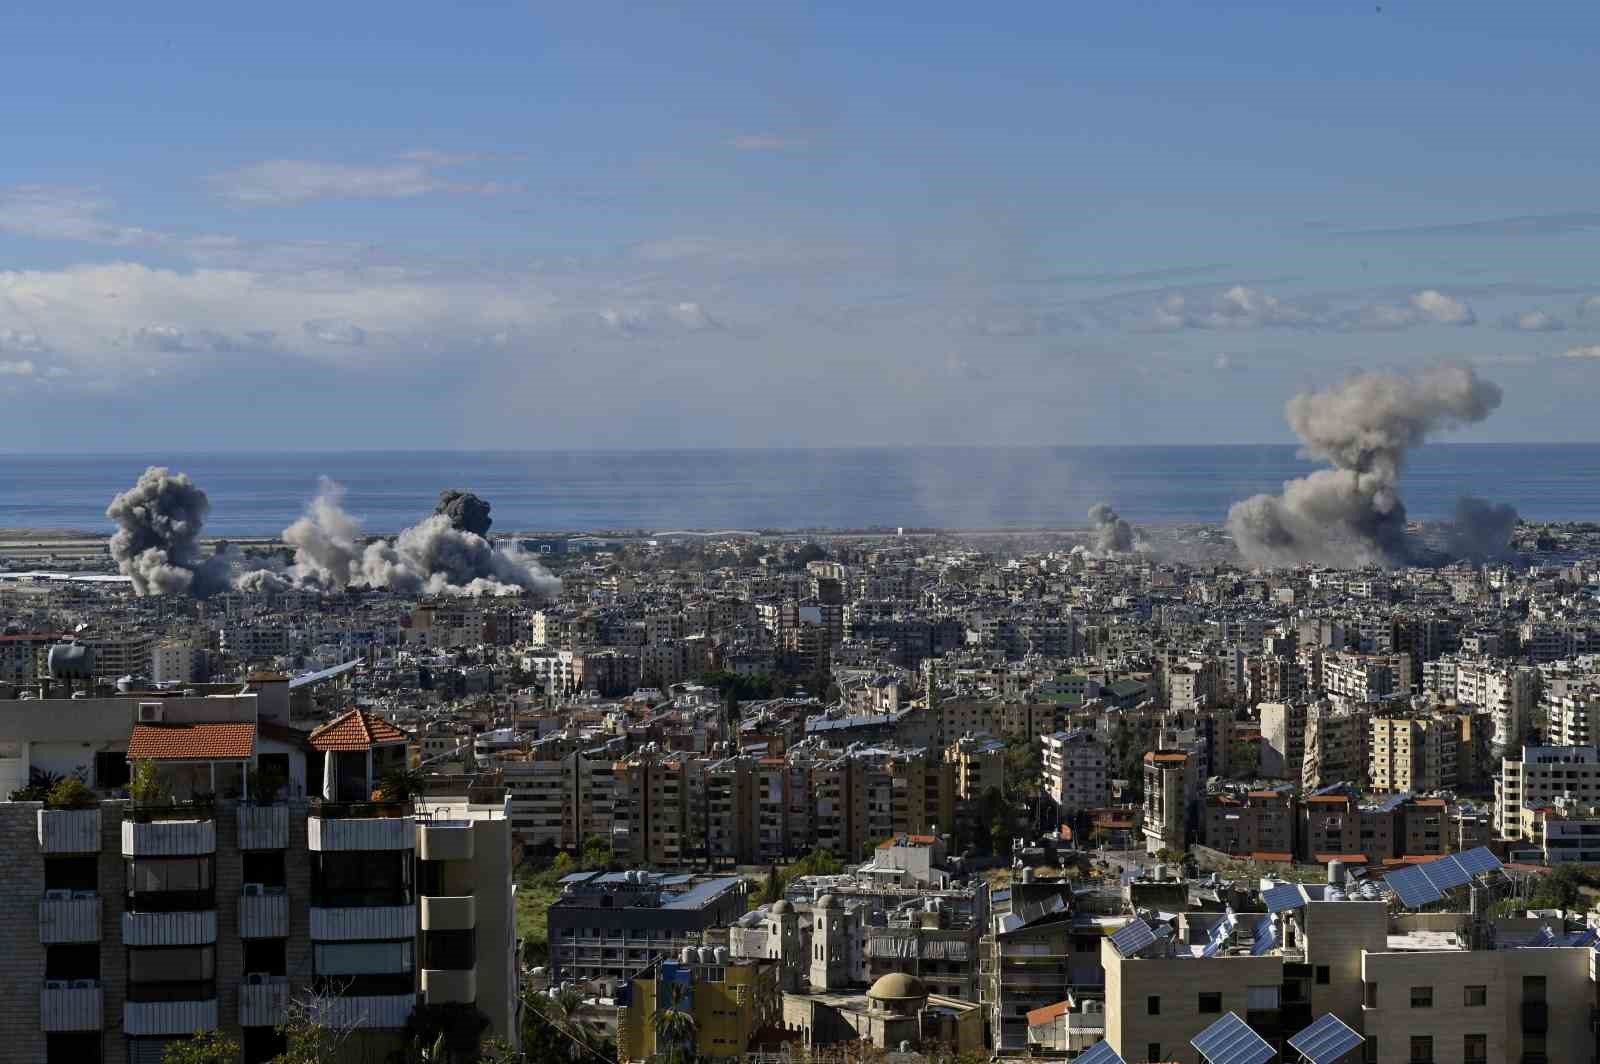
[1178, 983]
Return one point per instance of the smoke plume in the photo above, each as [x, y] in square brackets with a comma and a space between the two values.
[435, 557]
[1110, 533]
[467, 512]
[157, 542]
[1481, 530]
[1352, 515]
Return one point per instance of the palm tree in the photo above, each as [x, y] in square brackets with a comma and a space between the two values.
[675, 1026]
[566, 1010]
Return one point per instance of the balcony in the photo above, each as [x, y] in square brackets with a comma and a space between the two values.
[141, 1018]
[445, 840]
[170, 929]
[262, 914]
[263, 827]
[150, 832]
[363, 922]
[369, 1010]
[74, 917]
[452, 913]
[361, 826]
[263, 1001]
[69, 830]
[71, 1005]
[441, 986]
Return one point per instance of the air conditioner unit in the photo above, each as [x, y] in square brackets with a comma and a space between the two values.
[58, 894]
[83, 895]
[150, 712]
[55, 984]
[257, 979]
[85, 984]
[254, 890]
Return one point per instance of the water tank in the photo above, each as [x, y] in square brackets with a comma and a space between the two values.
[1027, 875]
[688, 955]
[720, 954]
[70, 661]
[706, 955]
[1338, 874]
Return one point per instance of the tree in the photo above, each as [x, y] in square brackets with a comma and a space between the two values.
[315, 1029]
[808, 554]
[772, 888]
[596, 853]
[558, 1023]
[444, 1033]
[206, 1047]
[676, 1028]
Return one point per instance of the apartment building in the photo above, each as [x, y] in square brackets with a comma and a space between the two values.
[1076, 772]
[1170, 786]
[1283, 739]
[730, 1000]
[980, 766]
[608, 925]
[1337, 746]
[1572, 713]
[1257, 822]
[136, 923]
[1539, 775]
[1431, 753]
[1366, 677]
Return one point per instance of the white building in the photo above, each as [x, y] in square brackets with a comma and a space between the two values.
[1075, 772]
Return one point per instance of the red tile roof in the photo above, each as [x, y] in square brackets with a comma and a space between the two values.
[1042, 1016]
[192, 742]
[911, 840]
[1347, 858]
[1268, 857]
[355, 730]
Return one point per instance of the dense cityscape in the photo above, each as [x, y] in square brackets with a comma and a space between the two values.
[755, 796]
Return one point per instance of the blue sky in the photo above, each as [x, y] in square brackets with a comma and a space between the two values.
[494, 225]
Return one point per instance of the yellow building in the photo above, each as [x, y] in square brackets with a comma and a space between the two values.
[730, 1000]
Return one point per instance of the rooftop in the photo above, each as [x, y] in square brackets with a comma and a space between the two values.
[192, 742]
[355, 730]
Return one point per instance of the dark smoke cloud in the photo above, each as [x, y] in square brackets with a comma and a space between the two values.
[1110, 533]
[434, 557]
[1352, 515]
[467, 512]
[1481, 530]
[157, 542]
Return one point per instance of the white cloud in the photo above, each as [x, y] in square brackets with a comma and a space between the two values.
[1588, 352]
[43, 213]
[1428, 307]
[767, 142]
[340, 333]
[287, 182]
[1237, 308]
[1588, 305]
[22, 368]
[15, 340]
[1434, 306]
[1535, 321]
[693, 316]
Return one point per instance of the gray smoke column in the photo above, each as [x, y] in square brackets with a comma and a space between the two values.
[467, 512]
[434, 557]
[1481, 530]
[1112, 535]
[1352, 515]
[157, 542]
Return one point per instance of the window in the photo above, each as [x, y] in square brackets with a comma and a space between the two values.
[72, 962]
[365, 958]
[1261, 997]
[1422, 997]
[72, 873]
[170, 884]
[1421, 1048]
[266, 955]
[1369, 1050]
[264, 867]
[110, 769]
[356, 878]
[1474, 1048]
[1533, 988]
[1153, 1005]
[79, 1047]
[172, 973]
[1210, 1002]
[451, 950]
[1324, 972]
[1476, 997]
[1371, 1000]
[1152, 1051]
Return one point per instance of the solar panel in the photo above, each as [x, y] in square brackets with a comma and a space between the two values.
[1479, 860]
[1586, 937]
[1393, 803]
[1412, 887]
[1266, 937]
[1099, 1053]
[1283, 897]
[1231, 1041]
[1133, 938]
[1326, 1040]
[1445, 874]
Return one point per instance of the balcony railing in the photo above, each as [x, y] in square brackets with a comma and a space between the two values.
[77, 1006]
[169, 1017]
[69, 830]
[71, 919]
[169, 929]
[263, 1002]
[321, 807]
[263, 827]
[176, 836]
